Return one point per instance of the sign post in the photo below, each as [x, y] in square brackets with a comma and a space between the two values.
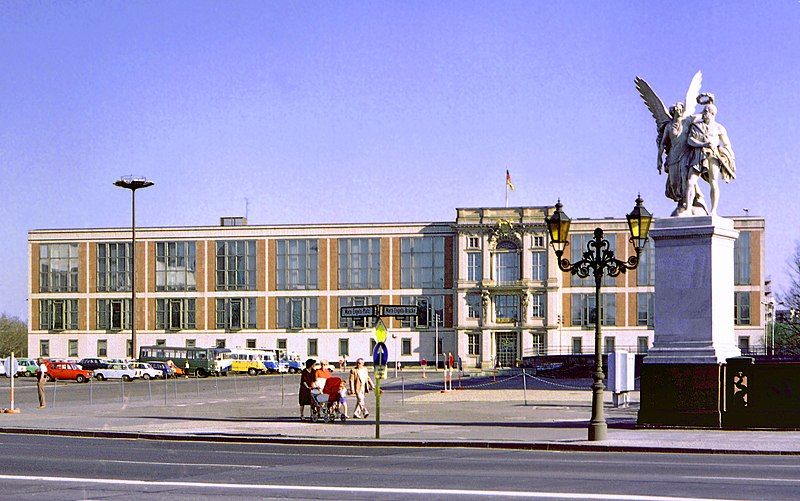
[11, 367]
[380, 355]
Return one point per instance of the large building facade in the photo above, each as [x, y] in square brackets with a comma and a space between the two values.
[493, 286]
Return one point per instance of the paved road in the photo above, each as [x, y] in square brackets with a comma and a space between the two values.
[73, 468]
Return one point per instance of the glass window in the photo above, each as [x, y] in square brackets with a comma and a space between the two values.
[577, 346]
[44, 347]
[741, 259]
[539, 271]
[474, 343]
[236, 265]
[344, 347]
[357, 323]
[236, 313]
[220, 343]
[642, 344]
[473, 243]
[744, 344]
[584, 311]
[312, 347]
[506, 308]
[72, 348]
[113, 314]
[297, 264]
[539, 343]
[176, 266]
[474, 305]
[436, 312]
[281, 344]
[102, 348]
[646, 270]
[359, 263]
[250, 343]
[538, 305]
[297, 312]
[474, 266]
[645, 304]
[578, 244]
[191, 343]
[506, 262]
[58, 268]
[741, 307]
[422, 262]
[58, 314]
[114, 267]
[538, 240]
[405, 346]
[609, 344]
[161, 342]
[175, 313]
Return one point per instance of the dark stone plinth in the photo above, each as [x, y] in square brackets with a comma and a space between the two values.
[765, 394]
[681, 395]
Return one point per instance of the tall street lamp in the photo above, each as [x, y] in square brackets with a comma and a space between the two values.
[598, 260]
[133, 183]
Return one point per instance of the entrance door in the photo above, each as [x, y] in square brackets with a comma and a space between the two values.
[506, 348]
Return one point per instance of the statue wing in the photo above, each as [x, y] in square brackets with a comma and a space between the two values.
[691, 94]
[654, 104]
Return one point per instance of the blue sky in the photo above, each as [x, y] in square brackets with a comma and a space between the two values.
[379, 111]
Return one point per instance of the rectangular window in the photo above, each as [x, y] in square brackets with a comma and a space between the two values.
[539, 271]
[539, 343]
[538, 305]
[474, 266]
[422, 262]
[741, 306]
[357, 323]
[250, 343]
[538, 240]
[72, 348]
[578, 244]
[506, 308]
[405, 346]
[312, 347]
[220, 343]
[114, 261]
[297, 264]
[175, 314]
[58, 268]
[642, 344]
[584, 311]
[236, 313]
[473, 243]
[577, 346]
[646, 270]
[609, 344]
[281, 344]
[359, 263]
[741, 259]
[645, 306]
[236, 265]
[176, 266]
[44, 347]
[128, 348]
[436, 311]
[113, 314]
[744, 344]
[161, 342]
[344, 347]
[473, 305]
[297, 313]
[191, 343]
[102, 348]
[58, 314]
[506, 263]
[474, 343]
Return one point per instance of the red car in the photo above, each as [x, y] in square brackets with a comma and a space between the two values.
[68, 371]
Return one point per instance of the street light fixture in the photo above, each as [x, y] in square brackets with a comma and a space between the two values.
[598, 260]
[133, 183]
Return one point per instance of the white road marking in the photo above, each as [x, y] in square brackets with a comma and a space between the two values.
[255, 466]
[748, 479]
[349, 489]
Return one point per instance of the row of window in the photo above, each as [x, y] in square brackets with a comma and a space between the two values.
[610, 345]
[506, 264]
[359, 266]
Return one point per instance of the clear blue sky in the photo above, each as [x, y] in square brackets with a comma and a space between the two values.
[377, 111]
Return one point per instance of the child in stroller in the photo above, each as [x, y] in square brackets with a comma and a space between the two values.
[330, 400]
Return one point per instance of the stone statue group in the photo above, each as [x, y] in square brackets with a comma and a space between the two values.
[690, 147]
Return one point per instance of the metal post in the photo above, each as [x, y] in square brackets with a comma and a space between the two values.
[598, 430]
[402, 389]
[13, 374]
[166, 388]
[133, 272]
[436, 347]
[377, 407]
[55, 386]
[122, 393]
[525, 387]
[91, 392]
[197, 380]
[149, 391]
[282, 390]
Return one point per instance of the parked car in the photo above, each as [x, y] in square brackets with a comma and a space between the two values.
[91, 364]
[67, 371]
[146, 371]
[164, 368]
[292, 365]
[276, 366]
[27, 367]
[116, 371]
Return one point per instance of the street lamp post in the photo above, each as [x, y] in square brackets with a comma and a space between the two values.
[133, 183]
[598, 260]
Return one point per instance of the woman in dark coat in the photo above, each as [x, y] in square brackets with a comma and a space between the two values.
[307, 379]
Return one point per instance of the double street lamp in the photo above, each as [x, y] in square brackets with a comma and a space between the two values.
[133, 183]
[598, 260]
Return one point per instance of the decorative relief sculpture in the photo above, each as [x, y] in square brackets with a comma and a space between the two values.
[690, 147]
[504, 231]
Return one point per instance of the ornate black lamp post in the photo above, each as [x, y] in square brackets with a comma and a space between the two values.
[598, 260]
[133, 184]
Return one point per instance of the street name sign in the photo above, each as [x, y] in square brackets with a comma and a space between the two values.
[390, 310]
[358, 311]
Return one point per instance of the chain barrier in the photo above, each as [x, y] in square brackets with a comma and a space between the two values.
[556, 384]
[464, 386]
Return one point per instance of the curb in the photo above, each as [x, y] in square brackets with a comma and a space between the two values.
[469, 444]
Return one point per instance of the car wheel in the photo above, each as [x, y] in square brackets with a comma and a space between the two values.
[51, 378]
[146, 377]
[100, 377]
[126, 378]
[252, 371]
[80, 378]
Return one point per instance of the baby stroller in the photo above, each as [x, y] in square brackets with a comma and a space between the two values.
[326, 406]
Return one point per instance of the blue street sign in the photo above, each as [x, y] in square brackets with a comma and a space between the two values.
[380, 355]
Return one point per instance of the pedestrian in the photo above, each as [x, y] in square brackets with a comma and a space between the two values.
[41, 381]
[359, 384]
[307, 380]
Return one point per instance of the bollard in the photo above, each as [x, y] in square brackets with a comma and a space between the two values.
[402, 389]
[176, 389]
[166, 387]
[216, 387]
[91, 392]
[235, 390]
[55, 386]
[525, 386]
[197, 379]
[122, 393]
[149, 391]
[282, 391]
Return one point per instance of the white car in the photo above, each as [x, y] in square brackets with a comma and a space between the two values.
[116, 371]
[146, 371]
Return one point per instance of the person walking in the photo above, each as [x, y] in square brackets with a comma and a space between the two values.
[359, 384]
[41, 381]
[307, 380]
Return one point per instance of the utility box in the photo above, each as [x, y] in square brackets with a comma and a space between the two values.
[621, 365]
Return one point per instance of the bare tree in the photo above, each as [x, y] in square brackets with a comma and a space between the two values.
[13, 336]
[787, 328]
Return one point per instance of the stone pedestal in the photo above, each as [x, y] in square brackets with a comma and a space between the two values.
[682, 380]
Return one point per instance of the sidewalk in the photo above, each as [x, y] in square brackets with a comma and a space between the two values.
[482, 417]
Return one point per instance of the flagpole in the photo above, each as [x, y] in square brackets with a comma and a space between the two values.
[506, 195]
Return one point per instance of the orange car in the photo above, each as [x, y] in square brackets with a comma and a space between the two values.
[67, 371]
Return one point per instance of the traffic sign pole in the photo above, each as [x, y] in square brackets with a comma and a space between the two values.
[377, 407]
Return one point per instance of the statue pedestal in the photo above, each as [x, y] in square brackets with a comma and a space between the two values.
[681, 381]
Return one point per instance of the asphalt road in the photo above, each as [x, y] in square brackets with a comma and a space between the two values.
[78, 468]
